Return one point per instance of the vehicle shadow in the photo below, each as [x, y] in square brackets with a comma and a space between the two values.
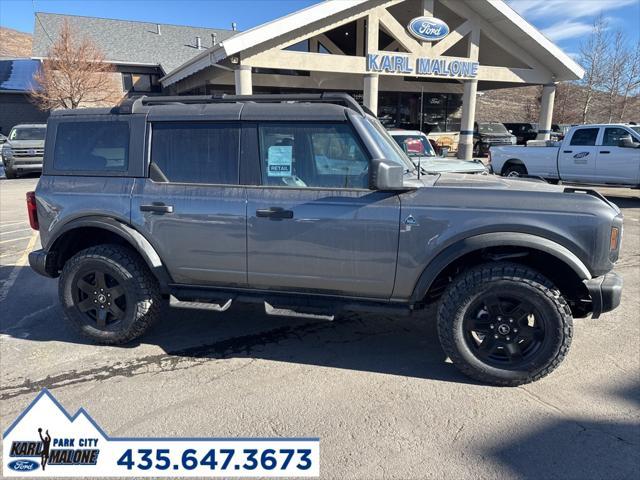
[406, 346]
[573, 447]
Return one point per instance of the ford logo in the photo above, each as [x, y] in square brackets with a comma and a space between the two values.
[428, 28]
[23, 465]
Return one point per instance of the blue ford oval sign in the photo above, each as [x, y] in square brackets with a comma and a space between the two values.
[23, 465]
[428, 28]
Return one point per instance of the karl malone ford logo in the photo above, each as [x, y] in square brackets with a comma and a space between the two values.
[428, 28]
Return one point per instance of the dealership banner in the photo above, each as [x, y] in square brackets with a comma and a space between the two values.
[45, 441]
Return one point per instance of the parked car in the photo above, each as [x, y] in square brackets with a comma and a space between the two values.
[525, 132]
[489, 134]
[203, 202]
[2, 139]
[419, 149]
[23, 150]
[589, 154]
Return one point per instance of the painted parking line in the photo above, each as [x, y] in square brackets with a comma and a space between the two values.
[2, 232]
[14, 239]
[7, 224]
[22, 261]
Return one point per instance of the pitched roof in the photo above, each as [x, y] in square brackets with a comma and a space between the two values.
[17, 75]
[129, 42]
[500, 15]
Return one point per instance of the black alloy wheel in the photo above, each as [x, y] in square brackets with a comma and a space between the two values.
[504, 331]
[101, 297]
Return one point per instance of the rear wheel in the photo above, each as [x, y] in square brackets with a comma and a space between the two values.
[504, 324]
[109, 294]
[514, 170]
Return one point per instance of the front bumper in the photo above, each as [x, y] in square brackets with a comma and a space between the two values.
[40, 262]
[605, 292]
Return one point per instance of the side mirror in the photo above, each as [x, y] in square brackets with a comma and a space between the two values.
[627, 142]
[385, 175]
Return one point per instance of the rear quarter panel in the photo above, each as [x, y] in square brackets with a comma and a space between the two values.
[61, 199]
[540, 161]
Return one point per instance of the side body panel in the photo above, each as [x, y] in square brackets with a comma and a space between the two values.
[443, 216]
[202, 241]
[338, 241]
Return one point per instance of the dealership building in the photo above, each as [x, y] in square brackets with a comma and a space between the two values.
[412, 62]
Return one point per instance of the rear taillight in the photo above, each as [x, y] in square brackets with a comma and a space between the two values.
[32, 210]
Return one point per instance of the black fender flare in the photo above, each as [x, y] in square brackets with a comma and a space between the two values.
[479, 242]
[127, 233]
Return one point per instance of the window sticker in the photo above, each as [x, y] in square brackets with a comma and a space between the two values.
[280, 161]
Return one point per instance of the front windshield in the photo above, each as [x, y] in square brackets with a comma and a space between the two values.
[27, 133]
[491, 128]
[415, 145]
[390, 149]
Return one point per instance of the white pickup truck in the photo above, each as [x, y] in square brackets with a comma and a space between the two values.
[591, 154]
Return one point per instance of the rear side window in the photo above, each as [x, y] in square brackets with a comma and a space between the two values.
[585, 137]
[92, 146]
[196, 152]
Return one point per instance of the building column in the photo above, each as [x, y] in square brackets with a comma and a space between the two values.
[370, 92]
[546, 111]
[465, 146]
[243, 80]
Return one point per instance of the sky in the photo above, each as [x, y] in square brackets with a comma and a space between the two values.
[565, 22]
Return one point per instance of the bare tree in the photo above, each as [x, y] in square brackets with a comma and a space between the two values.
[74, 74]
[615, 66]
[593, 58]
[630, 79]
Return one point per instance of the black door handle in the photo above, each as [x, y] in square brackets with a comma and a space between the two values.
[276, 213]
[568, 151]
[605, 151]
[157, 207]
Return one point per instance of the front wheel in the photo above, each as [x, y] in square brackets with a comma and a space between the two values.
[109, 294]
[504, 324]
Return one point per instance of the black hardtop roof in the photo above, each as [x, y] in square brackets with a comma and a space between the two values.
[297, 107]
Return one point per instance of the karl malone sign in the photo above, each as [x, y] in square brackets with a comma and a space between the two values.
[427, 29]
[439, 67]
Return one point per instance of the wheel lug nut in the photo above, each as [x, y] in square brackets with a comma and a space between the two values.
[511, 320]
[508, 338]
[515, 330]
[499, 318]
[95, 293]
[492, 326]
[495, 336]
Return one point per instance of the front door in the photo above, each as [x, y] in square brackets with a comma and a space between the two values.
[577, 156]
[192, 208]
[616, 164]
[313, 225]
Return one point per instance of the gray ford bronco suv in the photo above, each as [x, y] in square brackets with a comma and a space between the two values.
[306, 204]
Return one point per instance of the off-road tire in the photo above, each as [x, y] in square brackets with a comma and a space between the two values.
[489, 278]
[514, 170]
[144, 302]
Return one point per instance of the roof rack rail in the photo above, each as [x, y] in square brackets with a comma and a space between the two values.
[133, 104]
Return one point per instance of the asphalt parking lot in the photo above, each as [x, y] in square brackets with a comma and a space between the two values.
[377, 390]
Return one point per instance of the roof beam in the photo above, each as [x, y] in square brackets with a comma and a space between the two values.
[397, 31]
[451, 39]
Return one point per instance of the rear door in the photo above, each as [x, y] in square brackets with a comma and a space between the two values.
[192, 207]
[313, 224]
[616, 164]
[578, 154]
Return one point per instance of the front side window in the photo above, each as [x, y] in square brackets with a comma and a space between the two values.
[28, 133]
[92, 146]
[585, 137]
[196, 152]
[613, 136]
[312, 155]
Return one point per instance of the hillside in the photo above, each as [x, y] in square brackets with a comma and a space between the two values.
[14, 43]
